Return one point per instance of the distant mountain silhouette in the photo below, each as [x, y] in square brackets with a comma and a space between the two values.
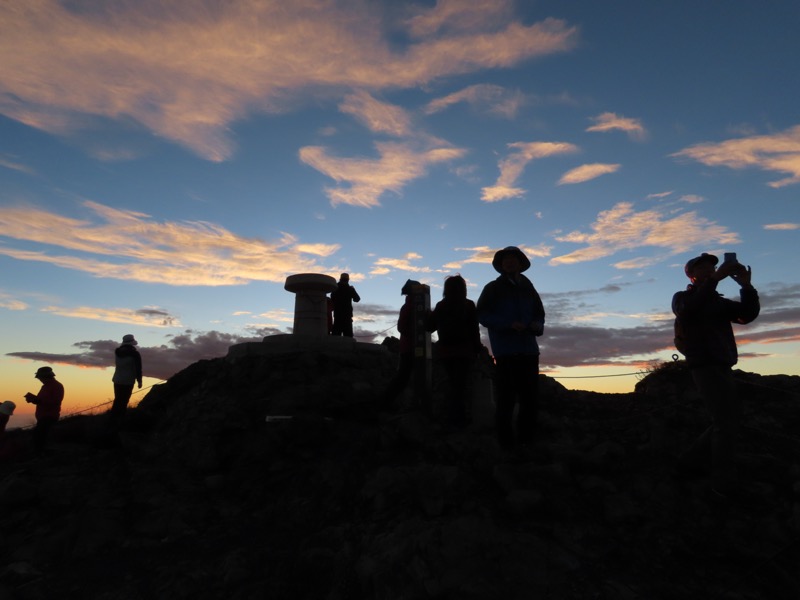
[203, 497]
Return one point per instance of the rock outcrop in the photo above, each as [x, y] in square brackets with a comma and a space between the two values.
[203, 496]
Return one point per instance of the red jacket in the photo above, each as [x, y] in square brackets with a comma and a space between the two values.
[48, 400]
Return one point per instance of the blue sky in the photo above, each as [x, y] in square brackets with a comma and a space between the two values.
[164, 166]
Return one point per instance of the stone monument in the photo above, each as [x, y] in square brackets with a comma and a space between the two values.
[310, 302]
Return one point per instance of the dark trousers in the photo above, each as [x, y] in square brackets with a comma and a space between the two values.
[717, 444]
[42, 432]
[516, 382]
[342, 326]
[399, 382]
[122, 394]
[459, 373]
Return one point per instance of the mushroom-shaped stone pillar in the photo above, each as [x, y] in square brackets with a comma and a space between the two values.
[310, 302]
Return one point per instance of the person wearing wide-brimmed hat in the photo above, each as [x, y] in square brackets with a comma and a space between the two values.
[127, 371]
[511, 309]
[704, 335]
[48, 406]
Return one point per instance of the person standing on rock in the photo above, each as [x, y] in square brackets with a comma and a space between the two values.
[456, 320]
[405, 367]
[48, 406]
[343, 297]
[127, 371]
[704, 335]
[511, 309]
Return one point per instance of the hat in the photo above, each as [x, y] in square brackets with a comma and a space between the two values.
[710, 258]
[408, 286]
[129, 339]
[7, 408]
[44, 372]
[497, 261]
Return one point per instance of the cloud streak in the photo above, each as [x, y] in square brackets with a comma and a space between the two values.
[587, 173]
[512, 167]
[187, 70]
[129, 245]
[622, 228]
[612, 122]
[779, 152]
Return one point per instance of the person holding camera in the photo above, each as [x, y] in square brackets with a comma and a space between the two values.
[48, 406]
[704, 335]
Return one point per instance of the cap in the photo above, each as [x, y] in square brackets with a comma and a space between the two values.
[497, 261]
[709, 258]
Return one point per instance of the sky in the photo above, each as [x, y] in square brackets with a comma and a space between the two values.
[164, 166]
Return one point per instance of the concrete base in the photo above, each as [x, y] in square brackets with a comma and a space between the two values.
[281, 344]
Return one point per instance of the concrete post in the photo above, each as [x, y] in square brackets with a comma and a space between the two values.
[310, 302]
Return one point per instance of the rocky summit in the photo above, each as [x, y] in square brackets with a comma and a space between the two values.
[280, 475]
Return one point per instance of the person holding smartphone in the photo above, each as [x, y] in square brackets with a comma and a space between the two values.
[704, 335]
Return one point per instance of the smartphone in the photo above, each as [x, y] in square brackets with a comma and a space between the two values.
[730, 257]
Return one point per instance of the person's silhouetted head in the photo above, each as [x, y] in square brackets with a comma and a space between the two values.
[455, 288]
[344, 278]
[511, 261]
[44, 373]
[701, 267]
[408, 287]
[7, 408]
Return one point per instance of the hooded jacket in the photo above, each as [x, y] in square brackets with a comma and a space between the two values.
[503, 302]
[703, 320]
[128, 365]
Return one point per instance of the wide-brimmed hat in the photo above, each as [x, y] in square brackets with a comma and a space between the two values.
[709, 258]
[7, 408]
[44, 372]
[129, 339]
[497, 261]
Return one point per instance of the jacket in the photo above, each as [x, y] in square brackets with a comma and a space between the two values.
[128, 365]
[503, 302]
[457, 324]
[703, 320]
[48, 400]
[343, 297]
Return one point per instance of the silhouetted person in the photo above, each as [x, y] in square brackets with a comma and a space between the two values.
[704, 335]
[127, 371]
[511, 309]
[48, 406]
[6, 410]
[455, 318]
[343, 297]
[405, 326]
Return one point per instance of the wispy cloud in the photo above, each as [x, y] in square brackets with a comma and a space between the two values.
[129, 245]
[782, 226]
[383, 266]
[151, 316]
[493, 99]
[368, 179]
[622, 228]
[612, 122]
[587, 173]
[779, 152]
[377, 116]
[187, 70]
[512, 167]
[10, 163]
[11, 303]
